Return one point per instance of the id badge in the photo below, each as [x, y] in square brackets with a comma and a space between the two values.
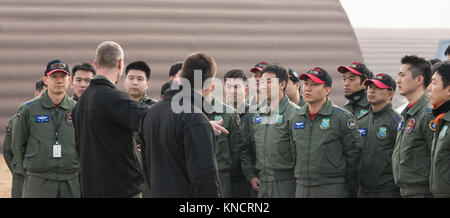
[57, 150]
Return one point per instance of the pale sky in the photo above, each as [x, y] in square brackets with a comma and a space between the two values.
[398, 13]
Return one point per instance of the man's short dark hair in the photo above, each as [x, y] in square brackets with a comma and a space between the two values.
[434, 61]
[198, 61]
[443, 69]
[165, 87]
[419, 67]
[83, 66]
[447, 51]
[39, 85]
[175, 68]
[279, 71]
[235, 74]
[139, 65]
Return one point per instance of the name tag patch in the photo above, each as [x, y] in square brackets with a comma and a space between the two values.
[42, 118]
[362, 131]
[299, 125]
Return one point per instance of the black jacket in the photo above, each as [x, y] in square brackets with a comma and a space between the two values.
[178, 149]
[104, 121]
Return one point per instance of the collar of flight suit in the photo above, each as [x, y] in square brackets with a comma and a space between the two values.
[48, 103]
[447, 116]
[282, 105]
[423, 101]
[326, 109]
[386, 108]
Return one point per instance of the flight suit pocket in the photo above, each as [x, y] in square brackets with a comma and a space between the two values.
[333, 154]
[443, 169]
[32, 149]
[422, 165]
[285, 152]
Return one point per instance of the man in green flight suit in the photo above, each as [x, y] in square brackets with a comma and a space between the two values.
[274, 162]
[327, 142]
[293, 89]
[354, 76]
[137, 81]
[17, 175]
[43, 139]
[411, 156]
[378, 129]
[235, 91]
[439, 92]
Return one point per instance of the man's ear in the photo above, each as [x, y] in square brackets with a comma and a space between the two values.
[419, 80]
[120, 64]
[297, 85]
[44, 79]
[328, 90]
[283, 85]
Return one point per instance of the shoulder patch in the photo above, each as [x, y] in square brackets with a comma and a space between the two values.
[382, 133]
[428, 110]
[432, 125]
[69, 120]
[362, 112]
[443, 132]
[28, 103]
[325, 124]
[410, 125]
[398, 119]
[218, 117]
[340, 109]
[351, 124]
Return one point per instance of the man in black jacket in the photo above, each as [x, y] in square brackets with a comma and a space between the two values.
[179, 142]
[104, 121]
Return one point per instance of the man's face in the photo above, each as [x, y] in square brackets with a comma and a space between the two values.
[314, 92]
[235, 91]
[352, 83]
[292, 89]
[377, 95]
[437, 93]
[136, 83]
[270, 86]
[57, 82]
[405, 81]
[254, 82]
[80, 81]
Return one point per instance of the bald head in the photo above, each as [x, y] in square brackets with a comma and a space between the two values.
[108, 55]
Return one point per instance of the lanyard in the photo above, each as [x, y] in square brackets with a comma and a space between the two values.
[57, 124]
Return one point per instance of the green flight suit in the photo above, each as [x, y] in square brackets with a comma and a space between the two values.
[328, 151]
[440, 159]
[17, 175]
[378, 132]
[228, 148]
[274, 160]
[39, 130]
[359, 107]
[148, 101]
[302, 101]
[248, 154]
[411, 156]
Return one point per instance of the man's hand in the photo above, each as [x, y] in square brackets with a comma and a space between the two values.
[218, 129]
[255, 183]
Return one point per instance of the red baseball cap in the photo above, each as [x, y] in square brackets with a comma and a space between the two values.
[318, 75]
[259, 66]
